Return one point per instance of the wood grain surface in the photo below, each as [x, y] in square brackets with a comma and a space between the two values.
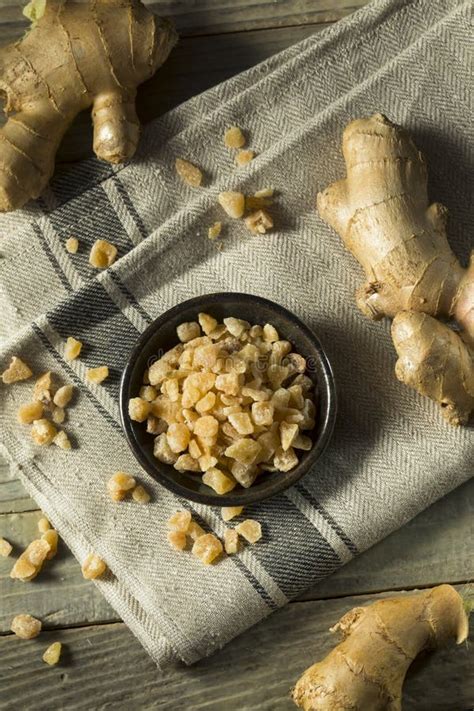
[105, 667]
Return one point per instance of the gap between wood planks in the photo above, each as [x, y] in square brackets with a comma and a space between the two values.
[462, 586]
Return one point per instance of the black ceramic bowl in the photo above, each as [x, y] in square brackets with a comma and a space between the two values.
[161, 336]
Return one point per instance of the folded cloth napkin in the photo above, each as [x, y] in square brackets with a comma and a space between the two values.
[391, 454]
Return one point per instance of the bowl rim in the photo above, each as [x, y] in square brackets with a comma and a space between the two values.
[250, 495]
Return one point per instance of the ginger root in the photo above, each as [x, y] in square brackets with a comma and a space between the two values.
[367, 669]
[382, 213]
[75, 55]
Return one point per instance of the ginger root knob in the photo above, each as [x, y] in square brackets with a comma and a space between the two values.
[75, 55]
[367, 669]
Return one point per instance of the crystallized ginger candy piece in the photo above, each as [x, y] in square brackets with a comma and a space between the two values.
[93, 567]
[279, 350]
[244, 157]
[186, 463]
[23, 570]
[233, 203]
[249, 529]
[214, 230]
[16, 371]
[52, 654]
[148, 393]
[189, 173]
[119, 485]
[43, 387]
[140, 495]
[188, 331]
[102, 254]
[25, 626]
[236, 326]
[264, 193]
[37, 552]
[302, 442]
[58, 415]
[43, 525]
[31, 560]
[207, 322]
[231, 541]
[162, 450]
[207, 427]
[270, 334]
[26, 414]
[206, 357]
[195, 531]
[259, 222]
[72, 349]
[241, 422]
[277, 374]
[296, 396]
[138, 409]
[288, 432]
[207, 461]
[63, 395]
[155, 425]
[62, 441]
[5, 548]
[43, 432]
[207, 548]
[194, 449]
[245, 450]
[245, 474]
[177, 539]
[179, 521]
[97, 375]
[263, 413]
[230, 512]
[218, 481]
[255, 394]
[52, 538]
[285, 461]
[170, 388]
[193, 382]
[178, 436]
[72, 245]
[228, 383]
[234, 138]
[159, 371]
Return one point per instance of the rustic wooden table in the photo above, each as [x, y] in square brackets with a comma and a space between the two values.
[103, 665]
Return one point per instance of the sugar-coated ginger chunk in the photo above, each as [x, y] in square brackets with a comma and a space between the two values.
[16, 371]
[231, 541]
[72, 349]
[25, 626]
[230, 512]
[250, 530]
[93, 567]
[207, 548]
[52, 653]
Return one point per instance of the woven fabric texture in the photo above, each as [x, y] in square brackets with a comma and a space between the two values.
[391, 454]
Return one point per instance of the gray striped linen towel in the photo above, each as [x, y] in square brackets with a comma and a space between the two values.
[391, 454]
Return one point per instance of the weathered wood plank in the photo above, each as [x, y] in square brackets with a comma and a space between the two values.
[105, 667]
[219, 16]
[59, 595]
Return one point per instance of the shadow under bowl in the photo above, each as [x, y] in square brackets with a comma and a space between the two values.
[160, 336]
